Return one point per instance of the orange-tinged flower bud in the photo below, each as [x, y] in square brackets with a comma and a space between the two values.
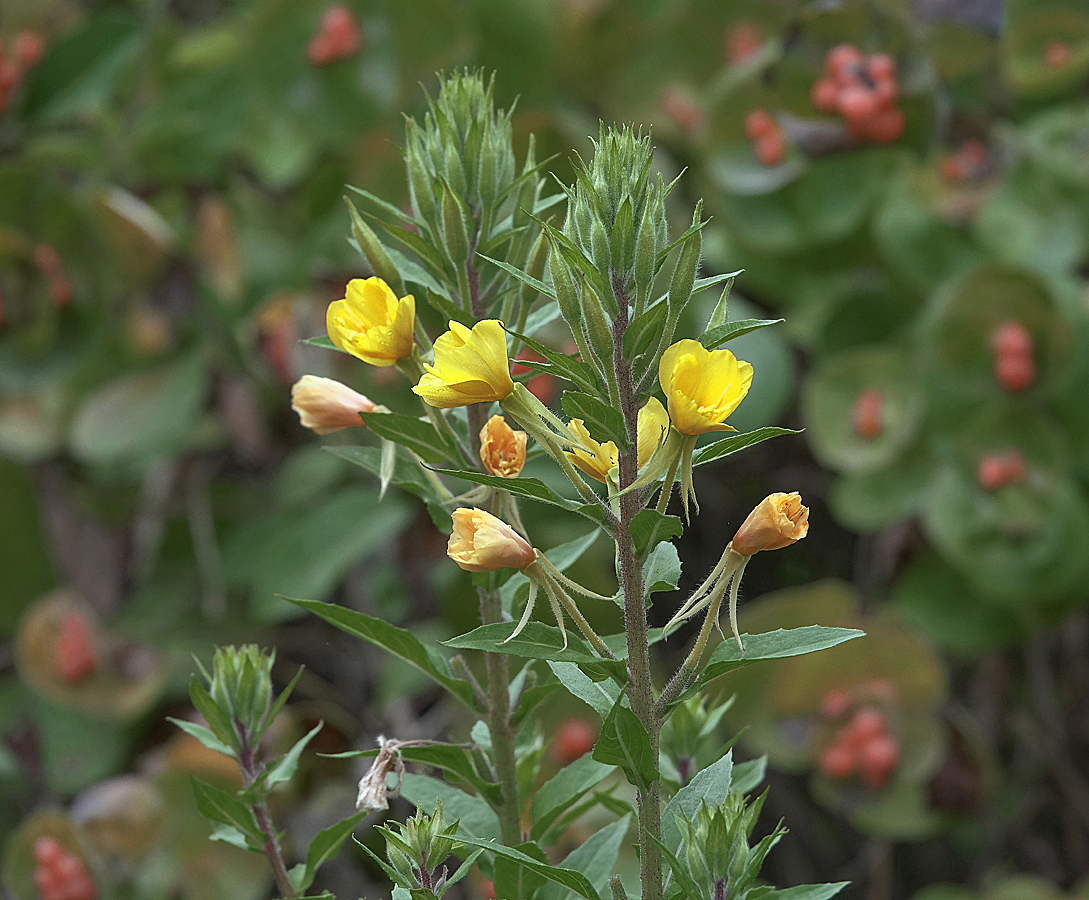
[480, 543]
[778, 521]
[702, 387]
[471, 366]
[371, 323]
[325, 405]
[502, 449]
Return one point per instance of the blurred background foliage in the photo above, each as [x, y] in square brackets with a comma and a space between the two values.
[172, 226]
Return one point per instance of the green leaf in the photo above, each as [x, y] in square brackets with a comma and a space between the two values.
[417, 435]
[530, 488]
[219, 720]
[640, 334]
[710, 785]
[476, 818]
[401, 643]
[604, 422]
[701, 284]
[624, 742]
[600, 695]
[225, 809]
[784, 642]
[324, 847]
[534, 283]
[512, 879]
[576, 371]
[573, 881]
[563, 789]
[807, 892]
[204, 735]
[716, 337]
[322, 340]
[384, 205]
[650, 527]
[285, 767]
[748, 775]
[595, 858]
[662, 570]
[730, 445]
[82, 67]
[537, 641]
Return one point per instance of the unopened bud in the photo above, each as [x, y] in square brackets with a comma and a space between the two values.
[777, 521]
[326, 406]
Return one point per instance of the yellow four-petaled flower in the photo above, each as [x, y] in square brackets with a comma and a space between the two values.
[371, 323]
[702, 387]
[471, 366]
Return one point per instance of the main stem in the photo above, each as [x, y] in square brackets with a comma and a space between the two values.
[640, 684]
[248, 767]
[498, 716]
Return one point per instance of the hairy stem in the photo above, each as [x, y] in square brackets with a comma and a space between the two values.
[640, 684]
[248, 766]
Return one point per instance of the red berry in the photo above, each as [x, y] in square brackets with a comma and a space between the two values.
[487, 889]
[835, 704]
[837, 760]
[842, 58]
[742, 41]
[682, 109]
[887, 126]
[9, 75]
[1011, 338]
[885, 93]
[991, 472]
[574, 738]
[857, 104]
[770, 150]
[758, 124]
[878, 759]
[865, 725]
[868, 414]
[1014, 373]
[74, 654]
[881, 67]
[825, 95]
[1056, 54]
[29, 49]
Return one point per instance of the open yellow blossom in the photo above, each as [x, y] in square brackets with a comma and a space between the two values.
[481, 543]
[371, 323]
[325, 405]
[502, 449]
[702, 386]
[777, 521]
[596, 459]
[471, 366]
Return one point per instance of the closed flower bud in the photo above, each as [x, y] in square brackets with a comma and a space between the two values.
[702, 387]
[502, 449]
[371, 323]
[482, 543]
[325, 406]
[777, 521]
[471, 366]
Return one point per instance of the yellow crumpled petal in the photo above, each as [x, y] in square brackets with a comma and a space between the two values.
[702, 387]
[471, 366]
[371, 323]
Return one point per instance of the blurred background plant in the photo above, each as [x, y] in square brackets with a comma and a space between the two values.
[907, 183]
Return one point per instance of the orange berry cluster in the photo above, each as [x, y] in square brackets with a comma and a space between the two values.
[768, 140]
[60, 874]
[742, 43]
[75, 656]
[339, 37]
[863, 90]
[1014, 366]
[868, 413]
[970, 163]
[998, 469]
[863, 745]
[26, 52]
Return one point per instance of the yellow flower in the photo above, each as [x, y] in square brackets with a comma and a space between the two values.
[325, 405]
[502, 449]
[593, 458]
[598, 458]
[480, 543]
[702, 387]
[371, 323]
[471, 366]
[778, 521]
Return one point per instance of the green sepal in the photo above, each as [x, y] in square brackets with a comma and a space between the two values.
[624, 742]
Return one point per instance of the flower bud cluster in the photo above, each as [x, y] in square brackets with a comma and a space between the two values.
[716, 849]
[241, 686]
[461, 154]
[418, 848]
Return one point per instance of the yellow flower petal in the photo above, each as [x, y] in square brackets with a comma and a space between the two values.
[471, 366]
[371, 323]
[702, 386]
